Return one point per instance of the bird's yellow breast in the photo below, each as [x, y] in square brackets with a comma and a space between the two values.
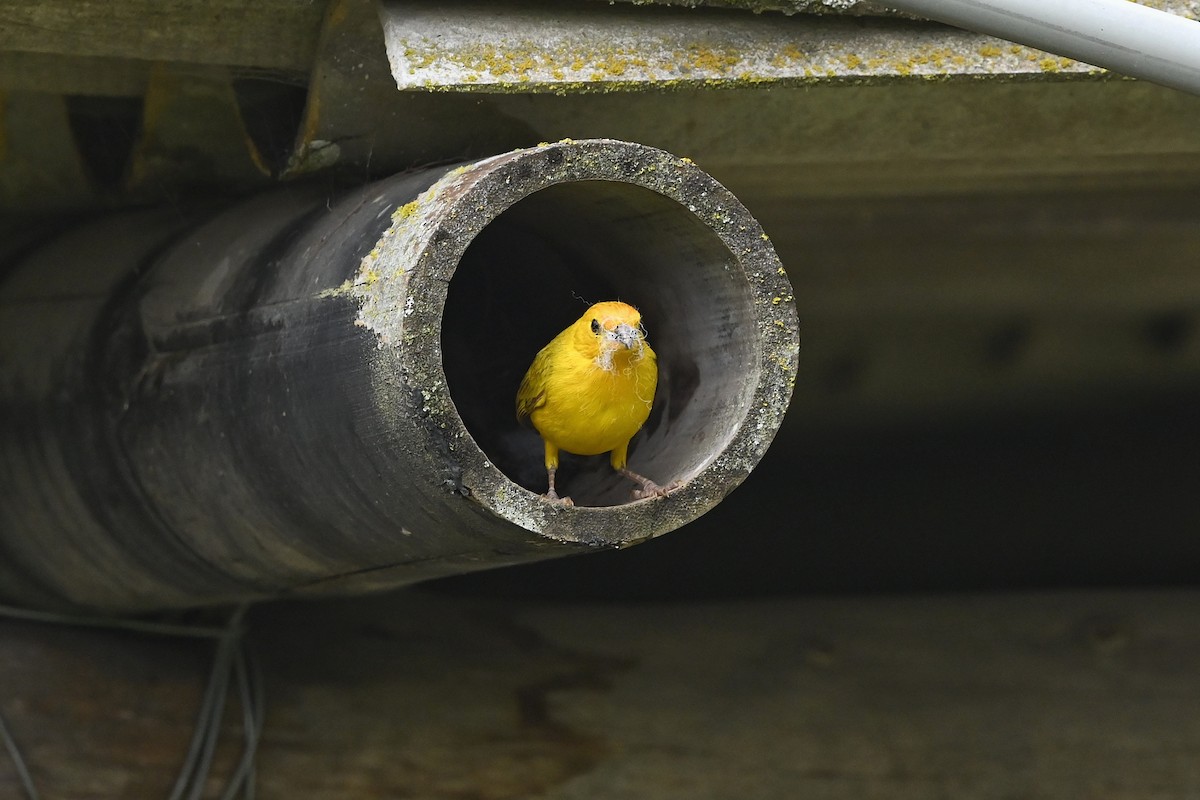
[590, 408]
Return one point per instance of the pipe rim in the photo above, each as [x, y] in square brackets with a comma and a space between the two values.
[424, 247]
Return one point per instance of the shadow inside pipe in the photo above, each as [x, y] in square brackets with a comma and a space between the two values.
[535, 269]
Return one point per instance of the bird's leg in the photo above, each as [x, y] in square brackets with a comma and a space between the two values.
[649, 487]
[551, 468]
[619, 459]
[553, 495]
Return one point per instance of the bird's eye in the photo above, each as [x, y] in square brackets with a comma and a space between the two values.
[596, 327]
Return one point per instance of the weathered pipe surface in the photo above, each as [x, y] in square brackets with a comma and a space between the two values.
[303, 394]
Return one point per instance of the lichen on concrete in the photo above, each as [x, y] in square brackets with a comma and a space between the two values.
[851, 7]
[599, 49]
[381, 284]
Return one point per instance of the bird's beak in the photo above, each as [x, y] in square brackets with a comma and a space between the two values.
[627, 335]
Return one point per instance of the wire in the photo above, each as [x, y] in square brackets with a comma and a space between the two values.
[232, 663]
[113, 623]
[249, 677]
[14, 752]
[198, 762]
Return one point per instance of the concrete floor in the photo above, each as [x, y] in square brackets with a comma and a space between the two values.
[423, 694]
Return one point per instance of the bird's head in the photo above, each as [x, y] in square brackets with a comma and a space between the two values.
[611, 331]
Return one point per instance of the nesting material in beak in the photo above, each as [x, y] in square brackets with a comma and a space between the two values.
[628, 336]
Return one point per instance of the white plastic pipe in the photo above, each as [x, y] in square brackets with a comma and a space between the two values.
[1118, 35]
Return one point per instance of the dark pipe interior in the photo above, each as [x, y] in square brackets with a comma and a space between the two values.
[536, 268]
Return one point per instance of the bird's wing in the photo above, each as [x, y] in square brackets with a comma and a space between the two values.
[532, 394]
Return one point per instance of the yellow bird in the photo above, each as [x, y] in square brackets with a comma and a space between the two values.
[590, 390]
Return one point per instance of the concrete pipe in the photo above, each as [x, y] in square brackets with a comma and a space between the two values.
[300, 394]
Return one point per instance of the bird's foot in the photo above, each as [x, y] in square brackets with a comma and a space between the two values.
[649, 488]
[553, 497]
[652, 489]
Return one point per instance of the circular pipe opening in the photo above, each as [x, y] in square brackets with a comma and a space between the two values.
[538, 265]
[495, 258]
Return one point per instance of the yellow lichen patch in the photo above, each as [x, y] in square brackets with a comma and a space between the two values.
[345, 288]
[708, 59]
[940, 56]
[419, 60]
[1048, 65]
[405, 211]
[616, 63]
[787, 55]
[990, 51]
